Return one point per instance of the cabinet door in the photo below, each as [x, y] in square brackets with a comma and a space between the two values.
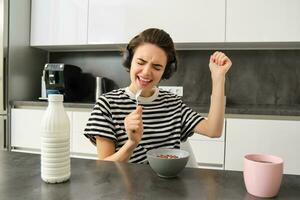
[208, 152]
[117, 21]
[81, 144]
[263, 21]
[56, 22]
[25, 129]
[276, 137]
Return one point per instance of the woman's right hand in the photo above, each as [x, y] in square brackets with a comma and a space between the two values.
[134, 125]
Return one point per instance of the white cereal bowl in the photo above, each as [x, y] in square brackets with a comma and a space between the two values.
[166, 167]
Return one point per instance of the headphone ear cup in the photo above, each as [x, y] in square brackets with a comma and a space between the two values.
[173, 67]
[126, 58]
[170, 69]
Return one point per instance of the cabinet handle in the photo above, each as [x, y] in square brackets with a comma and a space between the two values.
[214, 165]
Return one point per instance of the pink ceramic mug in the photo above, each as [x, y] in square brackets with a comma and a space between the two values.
[263, 174]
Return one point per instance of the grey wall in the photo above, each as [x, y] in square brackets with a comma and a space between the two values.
[264, 77]
[257, 77]
[25, 64]
[105, 64]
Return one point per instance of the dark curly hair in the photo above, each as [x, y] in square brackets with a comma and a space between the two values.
[159, 38]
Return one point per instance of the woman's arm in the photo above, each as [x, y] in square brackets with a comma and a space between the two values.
[134, 128]
[212, 126]
[107, 150]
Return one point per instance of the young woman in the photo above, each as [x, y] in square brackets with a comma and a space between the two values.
[124, 130]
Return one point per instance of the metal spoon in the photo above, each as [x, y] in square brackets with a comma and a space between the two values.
[137, 95]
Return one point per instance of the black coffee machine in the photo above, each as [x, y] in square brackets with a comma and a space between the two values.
[63, 79]
[59, 78]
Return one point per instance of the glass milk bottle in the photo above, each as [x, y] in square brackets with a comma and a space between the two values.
[55, 142]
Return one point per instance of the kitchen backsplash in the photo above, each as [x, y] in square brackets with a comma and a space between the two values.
[257, 77]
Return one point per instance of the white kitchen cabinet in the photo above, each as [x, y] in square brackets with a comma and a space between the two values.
[276, 137]
[190, 21]
[25, 129]
[208, 152]
[263, 21]
[80, 143]
[56, 22]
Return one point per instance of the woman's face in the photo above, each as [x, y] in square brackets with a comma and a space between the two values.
[147, 67]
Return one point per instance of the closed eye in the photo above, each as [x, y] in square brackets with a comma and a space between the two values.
[157, 66]
[140, 61]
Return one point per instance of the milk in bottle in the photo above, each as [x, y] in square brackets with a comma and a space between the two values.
[55, 142]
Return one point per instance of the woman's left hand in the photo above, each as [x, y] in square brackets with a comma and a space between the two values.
[219, 64]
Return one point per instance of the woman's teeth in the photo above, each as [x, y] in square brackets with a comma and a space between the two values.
[145, 80]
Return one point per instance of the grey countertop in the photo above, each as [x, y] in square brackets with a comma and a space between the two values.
[94, 179]
[280, 110]
[45, 103]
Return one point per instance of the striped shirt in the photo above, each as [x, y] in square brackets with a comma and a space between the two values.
[166, 119]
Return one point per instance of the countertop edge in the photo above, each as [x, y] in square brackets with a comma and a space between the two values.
[232, 111]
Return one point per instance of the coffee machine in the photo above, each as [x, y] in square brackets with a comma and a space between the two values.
[60, 78]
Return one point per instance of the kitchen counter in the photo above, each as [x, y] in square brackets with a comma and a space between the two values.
[18, 104]
[271, 110]
[92, 179]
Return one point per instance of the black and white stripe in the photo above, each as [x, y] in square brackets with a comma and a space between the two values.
[166, 119]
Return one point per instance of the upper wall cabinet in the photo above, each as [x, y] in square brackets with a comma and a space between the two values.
[189, 21]
[263, 21]
[56, 22]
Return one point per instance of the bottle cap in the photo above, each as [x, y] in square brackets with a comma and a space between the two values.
[55, 97]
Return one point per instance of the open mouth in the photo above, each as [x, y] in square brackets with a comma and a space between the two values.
[143, 81]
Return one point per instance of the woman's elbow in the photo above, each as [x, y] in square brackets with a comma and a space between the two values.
[215, 133]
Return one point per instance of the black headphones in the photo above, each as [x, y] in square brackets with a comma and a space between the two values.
[171, 66]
